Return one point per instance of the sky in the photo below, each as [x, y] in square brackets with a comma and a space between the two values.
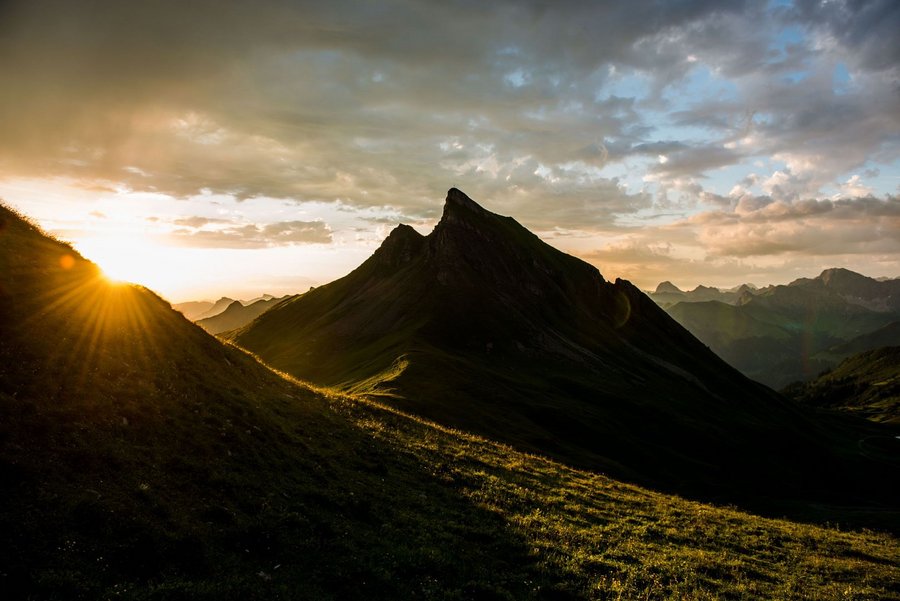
[210, 148]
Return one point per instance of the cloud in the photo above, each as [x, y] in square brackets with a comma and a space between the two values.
[197, 222]
[322, 102]
[762, 226]
[284, 233]
[586, 116]
[868, 28]
[693, 161]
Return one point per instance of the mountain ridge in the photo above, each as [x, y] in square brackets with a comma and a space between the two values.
[780, 334]
[238, 314]
[482, 326]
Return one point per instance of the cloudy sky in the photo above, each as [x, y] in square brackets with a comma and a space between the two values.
[209, 148]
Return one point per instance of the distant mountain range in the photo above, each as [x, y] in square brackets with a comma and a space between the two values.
[781, 334]
[667, 294]
[482, 326]
[197, 310]
[238, 314]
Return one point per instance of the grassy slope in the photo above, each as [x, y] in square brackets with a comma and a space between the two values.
[140, 458]
[483, 327]
[867, 384]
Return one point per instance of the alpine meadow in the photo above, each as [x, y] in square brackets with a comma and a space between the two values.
[450, 301]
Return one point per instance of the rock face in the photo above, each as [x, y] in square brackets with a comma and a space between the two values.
[482, 326]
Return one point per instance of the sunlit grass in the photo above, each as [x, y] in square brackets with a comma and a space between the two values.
[612, 540]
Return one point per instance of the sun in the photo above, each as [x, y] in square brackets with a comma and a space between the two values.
[130, 258]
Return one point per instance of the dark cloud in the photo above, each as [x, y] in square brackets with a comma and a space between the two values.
[868, 28]
[316, 101]
[386, 105]
[689, 161]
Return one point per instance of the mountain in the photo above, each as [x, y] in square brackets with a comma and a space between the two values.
[866, 384]
[140, 458]
[780, 334]
[481, 326]
[217, 307]
[193, 309]
[264, 297]
[829, 358]
[206, 310]
[668, 287]
[667, 294]
[857, 289]
[888, 335]
[238, 314]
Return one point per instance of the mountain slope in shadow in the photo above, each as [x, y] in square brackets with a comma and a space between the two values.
[867, 384]
[482, 326]
[140, 458]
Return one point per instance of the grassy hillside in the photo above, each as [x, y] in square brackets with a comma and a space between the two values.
[867, 384]
[142, 459]
[481, 326]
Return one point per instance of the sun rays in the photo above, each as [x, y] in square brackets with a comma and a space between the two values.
[101, 329]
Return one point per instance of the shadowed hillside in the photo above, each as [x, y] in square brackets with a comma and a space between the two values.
[142, 459]
[867, 384]
[482, 326]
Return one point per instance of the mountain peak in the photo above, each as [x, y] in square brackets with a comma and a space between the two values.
[401, 245]
[667, 286]
[402, 231]
[455, 196]
[459, 207]
[702, 288]
[839, 274]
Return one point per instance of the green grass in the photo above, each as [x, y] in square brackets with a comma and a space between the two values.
[142, 459]
[613, 540]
